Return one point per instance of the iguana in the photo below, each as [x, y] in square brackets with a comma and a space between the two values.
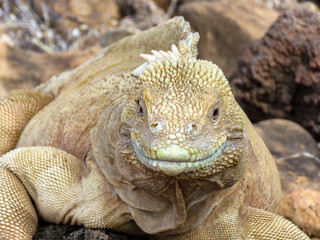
[164, 151]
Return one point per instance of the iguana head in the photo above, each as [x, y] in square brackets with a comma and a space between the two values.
[184, 121]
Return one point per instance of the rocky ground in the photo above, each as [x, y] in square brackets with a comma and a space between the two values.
[268, 49]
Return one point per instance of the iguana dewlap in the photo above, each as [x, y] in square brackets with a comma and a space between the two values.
[164, 151]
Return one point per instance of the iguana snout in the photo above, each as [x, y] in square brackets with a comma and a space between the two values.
[174, 160]
[191, 128]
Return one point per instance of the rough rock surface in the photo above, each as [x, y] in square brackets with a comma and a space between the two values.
[54, 232]
[226, 27]
[303, 208]
[279, 75]
[298, 159]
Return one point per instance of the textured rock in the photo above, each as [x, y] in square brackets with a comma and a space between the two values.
[226, 27]
[298, 159]
[303, 208]
[53, 232]
[279, 75]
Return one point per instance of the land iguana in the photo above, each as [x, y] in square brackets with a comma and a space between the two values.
[164, 150]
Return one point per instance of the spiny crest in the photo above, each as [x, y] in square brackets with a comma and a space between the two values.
[188, 46]
[183, 72]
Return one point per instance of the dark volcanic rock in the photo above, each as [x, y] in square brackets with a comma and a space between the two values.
[279, 75]
[47, 231]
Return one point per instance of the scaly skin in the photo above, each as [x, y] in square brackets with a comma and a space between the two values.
[165, 151]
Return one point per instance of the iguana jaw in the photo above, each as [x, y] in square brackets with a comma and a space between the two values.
[174, 168]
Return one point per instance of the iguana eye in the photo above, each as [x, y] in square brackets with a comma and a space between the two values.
[215, 113]
[140, 106]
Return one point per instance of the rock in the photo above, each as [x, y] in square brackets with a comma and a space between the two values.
[226, 27]
[20, 69]
[285, 138]
[308, 5]
[279, 75]
[298, 159]
[141, 14]
[99, 15]
[295, 151]
[3, 92]
[283, 5]
[59, 231]
[163, 3]
[88, 234]
[47, 231]
[303, 208]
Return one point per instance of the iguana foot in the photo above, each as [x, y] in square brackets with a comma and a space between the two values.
[18, 218]
[263, 225]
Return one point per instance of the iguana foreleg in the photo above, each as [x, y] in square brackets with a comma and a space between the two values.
[18, 218]
[50, 176]
[63, 188]
[15, 112]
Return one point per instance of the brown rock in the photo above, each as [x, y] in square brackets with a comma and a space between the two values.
[3, 92]
[279, 75]
[226, 27]
[20, 69]
[298, 159]
[285, 138]
[295, 151]
[303, 208]
[163, 3]
[141, 14]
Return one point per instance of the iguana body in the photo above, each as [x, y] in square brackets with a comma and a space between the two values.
[167, 153]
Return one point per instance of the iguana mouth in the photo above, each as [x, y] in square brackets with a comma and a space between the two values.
[175, 168]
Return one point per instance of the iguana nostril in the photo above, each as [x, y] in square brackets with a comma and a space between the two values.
[154, 125]
[192, 128]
